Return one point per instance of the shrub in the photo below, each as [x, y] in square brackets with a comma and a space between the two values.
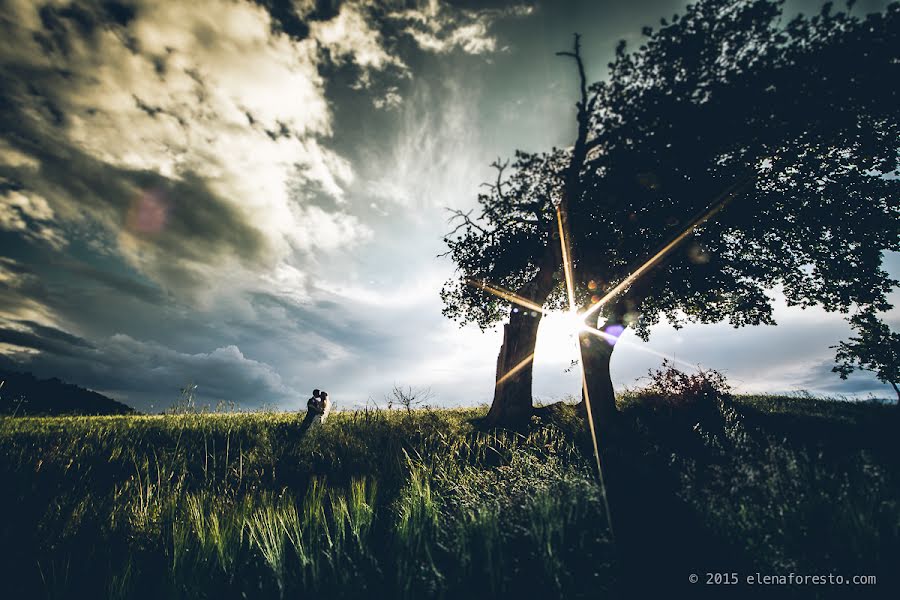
[672, 389]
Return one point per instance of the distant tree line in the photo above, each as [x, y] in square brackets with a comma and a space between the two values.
[23, 394]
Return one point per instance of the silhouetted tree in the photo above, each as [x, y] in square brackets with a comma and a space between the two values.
[794, 122]
[514, 243]
[876, 349]
[510, 244]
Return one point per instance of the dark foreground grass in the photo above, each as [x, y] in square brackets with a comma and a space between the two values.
[422, 504]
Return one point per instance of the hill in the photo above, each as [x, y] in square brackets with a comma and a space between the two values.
[24, 394]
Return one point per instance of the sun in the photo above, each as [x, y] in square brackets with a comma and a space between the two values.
[566, 324]
[573, 322]
[558, 336]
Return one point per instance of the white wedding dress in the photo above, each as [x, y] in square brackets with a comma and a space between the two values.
[321, 418]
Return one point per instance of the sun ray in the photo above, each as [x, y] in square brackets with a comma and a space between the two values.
[590, 420]
[521, 365]
[566, 250]
[562, 222]
[720, 202]
[506, 295]
[613, 339]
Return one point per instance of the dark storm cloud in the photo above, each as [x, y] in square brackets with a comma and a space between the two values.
[22, 294]
[39, 284]
[148, 375]
[113, 282]
[198, 227]
[173, 216]
[145, 157]
[52, 333]
[319, 319]
[46, 339]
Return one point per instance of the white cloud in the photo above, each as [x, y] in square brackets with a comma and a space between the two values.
[437, 27]
[429, 164]
[418, 292]
[14, 158]
[349, 36]
[30, 215]
[288, 282]
[15, 303]
[390, 100]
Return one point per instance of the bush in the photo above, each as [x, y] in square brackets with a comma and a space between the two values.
[672, 389]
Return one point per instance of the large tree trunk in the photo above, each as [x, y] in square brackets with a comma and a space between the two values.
[596, 352]
[512, 406]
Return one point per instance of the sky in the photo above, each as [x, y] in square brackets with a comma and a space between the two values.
[251, 197]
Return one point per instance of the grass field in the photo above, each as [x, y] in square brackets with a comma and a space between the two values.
[397, 504]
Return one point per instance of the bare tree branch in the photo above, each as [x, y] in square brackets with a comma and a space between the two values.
[466, 220]
[576, 54]
[497, 187]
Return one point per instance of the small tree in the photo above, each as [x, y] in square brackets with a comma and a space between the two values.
[408, 396]
[876, 348]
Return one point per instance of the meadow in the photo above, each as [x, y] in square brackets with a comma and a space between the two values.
[423, 503]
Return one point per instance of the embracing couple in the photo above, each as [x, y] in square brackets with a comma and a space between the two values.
[317, 409]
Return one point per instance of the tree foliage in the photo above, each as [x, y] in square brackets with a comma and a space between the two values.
[802, 115]
[727, 93]
[503, 244]
[875, 348]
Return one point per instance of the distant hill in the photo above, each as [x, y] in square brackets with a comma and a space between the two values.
[24, 394]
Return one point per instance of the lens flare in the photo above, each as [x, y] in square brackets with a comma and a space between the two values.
[718, 204]
[613, 337]
[149, 212]
[506, 295]
[566, 249]
[613, 333]
[521, 365]
[573, 322]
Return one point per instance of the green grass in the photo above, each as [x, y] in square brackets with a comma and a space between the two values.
[423, 504]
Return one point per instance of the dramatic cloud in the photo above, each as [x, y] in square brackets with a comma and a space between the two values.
[177, 129]
[438, 29]
[149, 374]
[349, 36]
[428, 158]
[860, 384]
[31, 216]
